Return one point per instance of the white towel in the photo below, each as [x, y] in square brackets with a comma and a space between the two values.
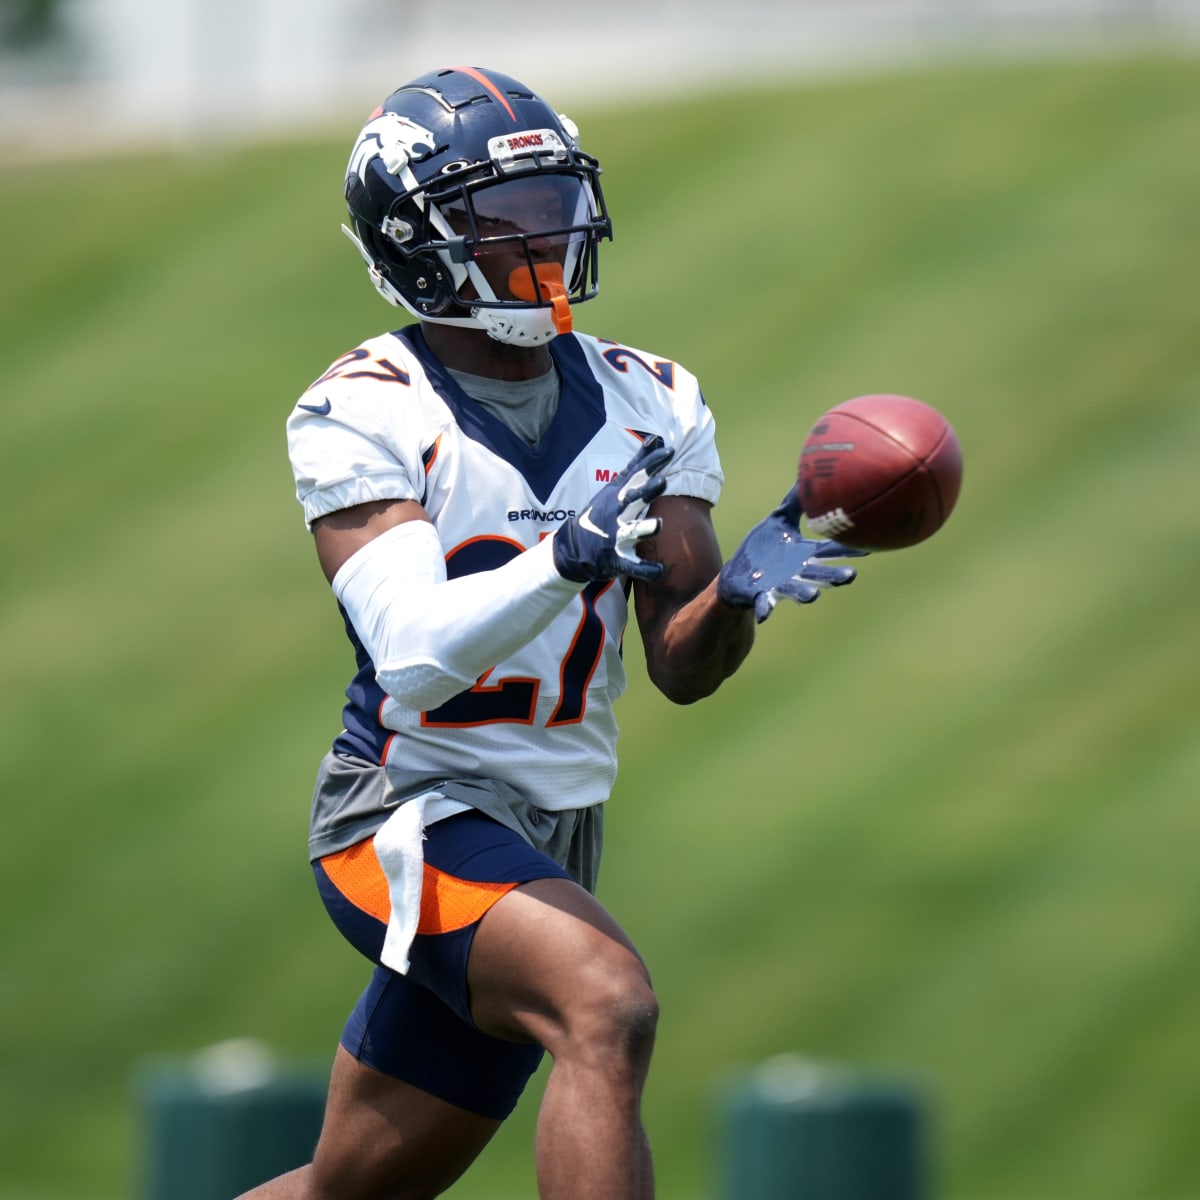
[398, 848]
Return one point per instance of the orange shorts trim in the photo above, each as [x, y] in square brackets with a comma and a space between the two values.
[447, 902]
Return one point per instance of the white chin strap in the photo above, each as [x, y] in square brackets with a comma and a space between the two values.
[517, 326]
[513, 326]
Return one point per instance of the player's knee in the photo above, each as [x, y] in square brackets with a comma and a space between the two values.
[617, 1019]
[636, 1023]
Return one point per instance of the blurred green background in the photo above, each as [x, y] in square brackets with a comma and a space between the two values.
[942, 824]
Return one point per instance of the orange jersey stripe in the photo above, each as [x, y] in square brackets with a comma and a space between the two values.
[447, 902]
[356, 873]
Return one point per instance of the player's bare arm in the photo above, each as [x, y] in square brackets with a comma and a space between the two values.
[693, 643]
[341, 534]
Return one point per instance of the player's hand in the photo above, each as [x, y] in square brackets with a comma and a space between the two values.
[775, 560]
[598, 543]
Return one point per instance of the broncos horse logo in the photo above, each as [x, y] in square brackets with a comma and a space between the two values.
[395, 140]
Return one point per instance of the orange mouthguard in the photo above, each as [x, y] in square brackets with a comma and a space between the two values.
[548, 278]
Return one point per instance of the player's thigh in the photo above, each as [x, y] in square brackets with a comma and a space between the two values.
[548, 959]
[383, 1137]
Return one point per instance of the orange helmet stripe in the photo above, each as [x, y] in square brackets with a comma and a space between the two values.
[480, 77]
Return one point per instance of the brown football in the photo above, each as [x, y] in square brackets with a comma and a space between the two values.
[880, 472]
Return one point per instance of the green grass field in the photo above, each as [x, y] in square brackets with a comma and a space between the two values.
[943, 824]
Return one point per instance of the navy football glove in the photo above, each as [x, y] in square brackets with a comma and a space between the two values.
[598, 542]
[775, 560]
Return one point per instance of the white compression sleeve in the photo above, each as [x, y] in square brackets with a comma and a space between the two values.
[430, 637]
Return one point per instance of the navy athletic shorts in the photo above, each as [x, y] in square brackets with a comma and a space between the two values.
[418, 1027]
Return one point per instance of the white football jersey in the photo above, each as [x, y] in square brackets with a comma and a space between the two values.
[387, 422]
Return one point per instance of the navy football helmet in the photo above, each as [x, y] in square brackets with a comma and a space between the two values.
[472, 204]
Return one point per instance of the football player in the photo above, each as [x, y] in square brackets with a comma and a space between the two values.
[487, 491]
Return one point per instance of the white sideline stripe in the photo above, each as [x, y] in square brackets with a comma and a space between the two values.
[194, 71]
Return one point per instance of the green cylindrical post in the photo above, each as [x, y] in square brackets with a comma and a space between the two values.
[797, 1131]
[222, 1123]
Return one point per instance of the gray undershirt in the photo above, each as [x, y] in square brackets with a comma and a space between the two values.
[526, 406]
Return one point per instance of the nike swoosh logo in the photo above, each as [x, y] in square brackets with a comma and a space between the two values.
[586, 522]
[322, 410]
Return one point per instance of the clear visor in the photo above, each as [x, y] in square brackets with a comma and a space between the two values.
[527, 239]
[538, 205]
